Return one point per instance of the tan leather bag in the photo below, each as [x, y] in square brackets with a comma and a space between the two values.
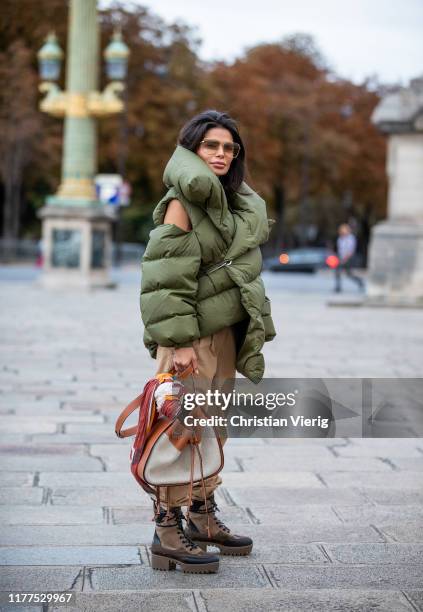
[166, 453]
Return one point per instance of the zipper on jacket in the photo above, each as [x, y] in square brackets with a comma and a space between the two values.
[221, 264]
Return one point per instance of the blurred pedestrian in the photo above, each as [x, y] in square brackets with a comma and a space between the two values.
[346, 245]
[40, 254]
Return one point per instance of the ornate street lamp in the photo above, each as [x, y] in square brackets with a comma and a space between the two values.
[50, 58]
[116, 55]
[76, 225]
[97, 104]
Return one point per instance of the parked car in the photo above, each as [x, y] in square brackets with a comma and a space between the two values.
[304, 259]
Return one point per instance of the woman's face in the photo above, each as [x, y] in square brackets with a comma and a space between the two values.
[219, 161]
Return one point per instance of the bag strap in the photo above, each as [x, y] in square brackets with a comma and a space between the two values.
[136, 403]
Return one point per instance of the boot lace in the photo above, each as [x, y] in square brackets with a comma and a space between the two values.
[177, 515]
[213, 509]
[184, 538]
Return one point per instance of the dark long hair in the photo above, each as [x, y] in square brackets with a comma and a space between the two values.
[193, 132]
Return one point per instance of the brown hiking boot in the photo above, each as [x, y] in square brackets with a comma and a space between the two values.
[220, 535]
[171, 546]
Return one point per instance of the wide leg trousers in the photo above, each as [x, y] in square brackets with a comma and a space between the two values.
[216, 356]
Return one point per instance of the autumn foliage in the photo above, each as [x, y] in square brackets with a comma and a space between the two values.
[312, 150]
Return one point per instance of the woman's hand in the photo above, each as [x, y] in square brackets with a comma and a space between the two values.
[183, 357]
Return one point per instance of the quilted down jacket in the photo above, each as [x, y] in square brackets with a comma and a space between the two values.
[196, 282]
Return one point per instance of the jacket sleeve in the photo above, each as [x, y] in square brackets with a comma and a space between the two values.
[169, 285]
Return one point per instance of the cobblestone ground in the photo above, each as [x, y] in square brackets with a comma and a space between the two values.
[337, 523]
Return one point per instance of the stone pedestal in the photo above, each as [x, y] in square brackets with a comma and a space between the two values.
[77, 247]
[396, 264]
[396, 247]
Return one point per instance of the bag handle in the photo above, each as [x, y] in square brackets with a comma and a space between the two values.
[136, 403]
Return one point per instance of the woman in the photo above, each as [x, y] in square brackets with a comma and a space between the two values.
[203, 303]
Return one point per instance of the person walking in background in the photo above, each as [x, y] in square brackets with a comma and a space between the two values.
[346, 245]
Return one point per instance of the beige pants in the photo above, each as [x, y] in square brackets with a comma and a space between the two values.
[216, 356]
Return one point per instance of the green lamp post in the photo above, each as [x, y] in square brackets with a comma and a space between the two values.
[76, 225]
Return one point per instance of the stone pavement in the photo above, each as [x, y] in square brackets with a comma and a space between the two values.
[337, 523]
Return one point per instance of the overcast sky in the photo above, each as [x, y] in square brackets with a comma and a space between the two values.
[358, 38]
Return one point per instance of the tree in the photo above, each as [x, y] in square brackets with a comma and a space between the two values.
[29, 146]
[312, 151]
[308, 134]
[19, 126]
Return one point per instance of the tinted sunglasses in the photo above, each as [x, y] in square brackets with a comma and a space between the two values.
[229, 148]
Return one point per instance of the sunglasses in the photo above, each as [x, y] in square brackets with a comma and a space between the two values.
[229, 148]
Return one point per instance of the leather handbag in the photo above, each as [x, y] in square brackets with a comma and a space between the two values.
[165, 452]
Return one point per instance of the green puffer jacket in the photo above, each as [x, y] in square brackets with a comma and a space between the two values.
[196, 282]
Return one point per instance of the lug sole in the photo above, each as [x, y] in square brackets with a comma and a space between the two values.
[235, 551]
[160, 562]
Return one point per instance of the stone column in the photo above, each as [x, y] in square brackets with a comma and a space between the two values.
[396, 247]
